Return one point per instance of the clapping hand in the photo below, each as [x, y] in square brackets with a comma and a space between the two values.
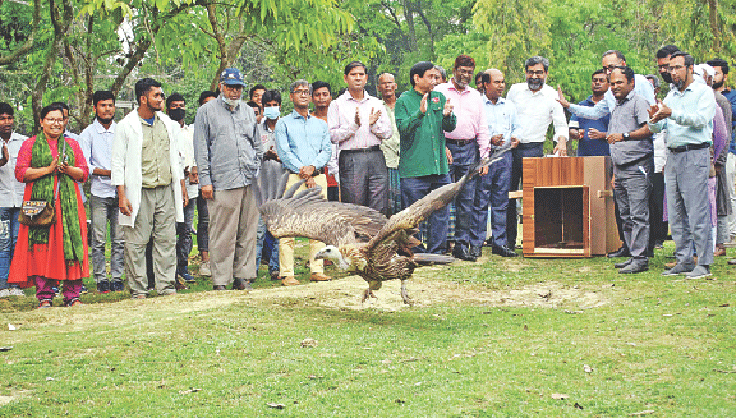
[448, 108]
[374, 116]
[357, 116]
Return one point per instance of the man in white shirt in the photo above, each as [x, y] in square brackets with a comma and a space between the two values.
[11, 196]
[96, 142]
[536, 107]
[359, 124]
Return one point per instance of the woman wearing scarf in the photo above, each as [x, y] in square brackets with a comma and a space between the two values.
[50, 165]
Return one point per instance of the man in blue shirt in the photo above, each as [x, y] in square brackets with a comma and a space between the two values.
[687, 114]
[303, 144]
[493, 188]
[591, 133]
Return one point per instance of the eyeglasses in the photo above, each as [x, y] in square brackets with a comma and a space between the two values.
[301, 92]
[54, 121]
[538, 72]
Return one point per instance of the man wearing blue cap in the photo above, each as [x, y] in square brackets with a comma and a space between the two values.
[229, 152]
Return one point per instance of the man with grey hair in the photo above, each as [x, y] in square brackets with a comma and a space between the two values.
[303, 144]
[229, 152]
[536, 108]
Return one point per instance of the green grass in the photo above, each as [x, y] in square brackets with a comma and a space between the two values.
[656, 343]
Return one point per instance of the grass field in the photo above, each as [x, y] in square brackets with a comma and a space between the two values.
[497, 338]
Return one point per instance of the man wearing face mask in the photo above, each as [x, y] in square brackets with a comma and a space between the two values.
[175, 108]
[536, 108]
[228, 151]
[96, 142]
[465, 144]
[271, 172]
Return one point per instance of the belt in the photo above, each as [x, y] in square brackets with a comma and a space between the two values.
[637, 161]
[689, 147]
[369, 149]
[459, 142]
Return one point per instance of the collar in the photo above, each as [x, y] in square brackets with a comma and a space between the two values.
[155, 116]
[499, 102]
[101, 129]
[297, 115]
[626, 99]
[349, 96]
[452, 87]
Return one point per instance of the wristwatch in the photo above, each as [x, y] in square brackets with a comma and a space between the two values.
[626, 136]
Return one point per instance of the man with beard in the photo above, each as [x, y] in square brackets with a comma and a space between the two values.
[632, 155]
[11, 196]
[493, 188]
[96, 142]
[175, 108]
[146, 168]
[719, 84]
[466, 143]
[687, 113]
[358, 125]
[536, 108]
[228, 151]
[422, 117]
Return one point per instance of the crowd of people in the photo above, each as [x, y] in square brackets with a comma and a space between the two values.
[674, 164]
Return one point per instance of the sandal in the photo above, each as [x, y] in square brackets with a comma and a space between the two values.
[46, 303]
[74, 302]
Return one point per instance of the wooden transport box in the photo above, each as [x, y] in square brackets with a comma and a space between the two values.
[568, 207]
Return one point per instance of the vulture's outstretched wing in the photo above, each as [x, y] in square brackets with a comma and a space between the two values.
[307, 214]
[410, 217]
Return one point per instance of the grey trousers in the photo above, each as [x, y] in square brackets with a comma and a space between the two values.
[233, 232]
[686, 178]
[157, 219]
[633, 187]
[102, 210]
[364, 179]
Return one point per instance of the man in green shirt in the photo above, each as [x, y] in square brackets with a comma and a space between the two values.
[422, 116]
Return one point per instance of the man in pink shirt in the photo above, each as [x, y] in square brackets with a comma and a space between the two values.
[469, 141]
[358, 125]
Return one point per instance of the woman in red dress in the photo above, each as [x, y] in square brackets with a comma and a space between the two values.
[51, 165]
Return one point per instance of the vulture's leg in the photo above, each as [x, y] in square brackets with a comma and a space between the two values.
[405, 295]
[368, 293]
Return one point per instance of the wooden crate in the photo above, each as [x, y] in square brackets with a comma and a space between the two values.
[568, 207]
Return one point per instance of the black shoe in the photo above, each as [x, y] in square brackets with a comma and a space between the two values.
[503, 251]
[621, 252]
[623, 264]
[658, 244]
[218, 287]
[634, 267]
[103, 286]
[462, 252]
[117, 285]
[84, 291]
[476, 251]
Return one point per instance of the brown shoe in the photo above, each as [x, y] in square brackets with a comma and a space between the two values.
[218, 287]
[720, 251]
[674, 263]
[289, 281]
[319, 277]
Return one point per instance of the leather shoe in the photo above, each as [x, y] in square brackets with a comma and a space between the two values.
[218, 287]
[732, 262]
[503, 251]
[621, 252]
[289, 281]
[180, 286]
[462, 252]
[476, 251]
[240, 284]
[624, 263]
[635, 267]
[319, 277]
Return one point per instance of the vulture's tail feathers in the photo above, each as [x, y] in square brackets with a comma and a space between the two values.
[429, 258]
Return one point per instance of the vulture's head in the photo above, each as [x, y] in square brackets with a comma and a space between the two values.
[332, 253]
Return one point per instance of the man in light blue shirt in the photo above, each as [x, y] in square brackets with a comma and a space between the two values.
[494, 187]
[304, 147]
[687, 114]
[611, 59]
[96, 142]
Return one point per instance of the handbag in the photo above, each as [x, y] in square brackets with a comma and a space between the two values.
[39, 212]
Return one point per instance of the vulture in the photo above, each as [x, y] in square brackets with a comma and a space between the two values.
[359, 239]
